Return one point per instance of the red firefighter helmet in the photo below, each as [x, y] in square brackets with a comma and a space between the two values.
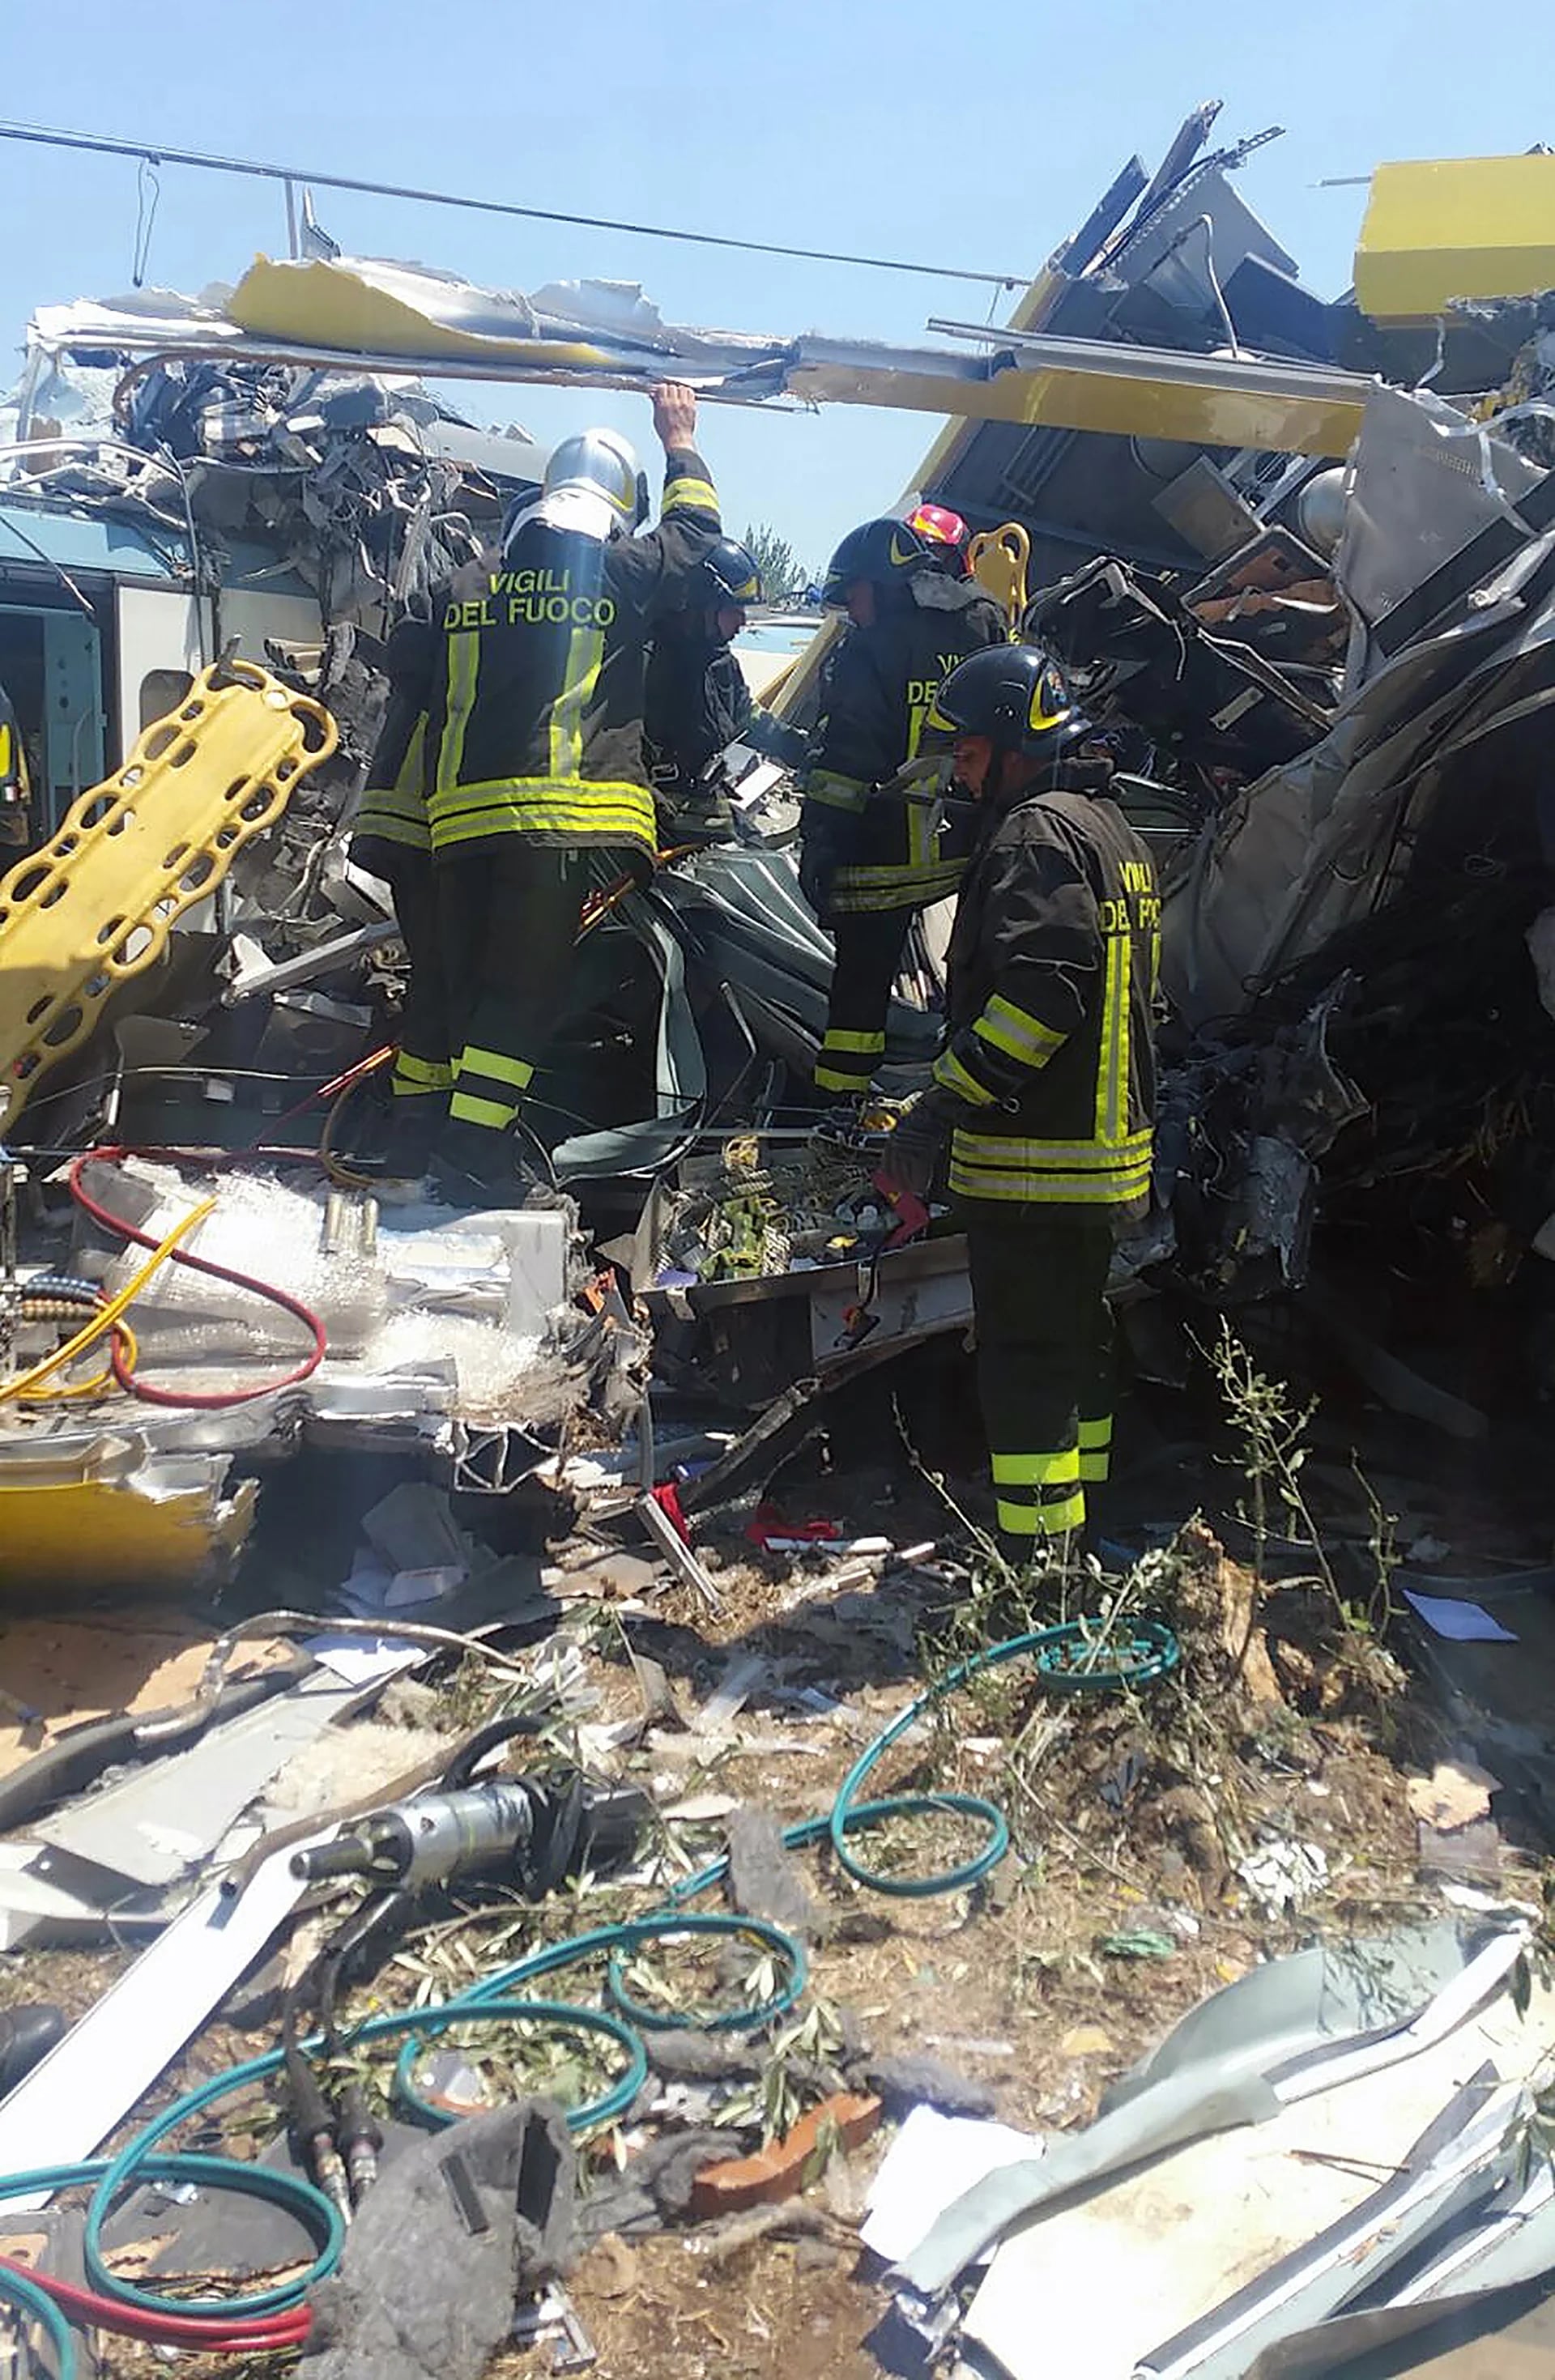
[945, 530]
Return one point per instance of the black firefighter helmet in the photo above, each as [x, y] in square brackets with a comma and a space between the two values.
[727, 573]
[886, 553]
[1011, 694]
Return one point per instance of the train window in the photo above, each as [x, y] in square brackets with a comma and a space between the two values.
[162, 691]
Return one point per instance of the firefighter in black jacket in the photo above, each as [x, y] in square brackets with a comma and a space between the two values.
[698, 702]
[1045, 1088]
[391, 838]
[535, 774]
[869, 861]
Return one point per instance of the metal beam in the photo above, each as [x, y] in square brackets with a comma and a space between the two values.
[1157, 392]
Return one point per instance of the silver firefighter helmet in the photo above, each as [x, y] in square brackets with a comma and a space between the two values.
[601, 462]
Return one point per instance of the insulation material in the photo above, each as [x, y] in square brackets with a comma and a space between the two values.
[490, 1365]
[261, 1227]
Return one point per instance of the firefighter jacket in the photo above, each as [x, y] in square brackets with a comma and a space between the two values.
[535, 724]
[1051, 989]
[16, 793]
[696, 703]
[892, 854]
[391, 824]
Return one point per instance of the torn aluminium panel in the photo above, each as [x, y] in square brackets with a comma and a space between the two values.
[384, 317]
[110, 1509]
[1286, 2032]
[1451, 686]
[1376, 2144]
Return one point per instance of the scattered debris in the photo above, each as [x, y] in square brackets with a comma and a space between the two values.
[1455, 1795]
[559, 1940]
[456, 2231]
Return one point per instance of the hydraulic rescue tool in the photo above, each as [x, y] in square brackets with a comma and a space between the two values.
[533, 1833]
[516, 1830]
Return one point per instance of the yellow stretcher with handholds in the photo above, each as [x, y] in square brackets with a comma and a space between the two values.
[999, 559]
[94, 906]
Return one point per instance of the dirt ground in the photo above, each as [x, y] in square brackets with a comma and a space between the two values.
[1120, 1907]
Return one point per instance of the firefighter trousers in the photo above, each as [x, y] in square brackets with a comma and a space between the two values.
[425, 1063]
[868, 946]
[1044, 1365]
[424, 1070]
[507, 922]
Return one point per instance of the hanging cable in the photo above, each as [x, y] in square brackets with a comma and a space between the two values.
[147, 192]
[104, 1321]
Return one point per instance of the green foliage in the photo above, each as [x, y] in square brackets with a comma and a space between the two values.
[782, 574]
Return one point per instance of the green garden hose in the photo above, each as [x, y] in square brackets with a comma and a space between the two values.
[1080, 1655]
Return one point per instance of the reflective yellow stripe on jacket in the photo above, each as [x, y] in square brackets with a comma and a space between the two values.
[397, 813]
[1113, 1168]
[557, 809]
[895, 887]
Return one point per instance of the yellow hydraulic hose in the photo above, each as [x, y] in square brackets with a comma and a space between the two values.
[104, 1321]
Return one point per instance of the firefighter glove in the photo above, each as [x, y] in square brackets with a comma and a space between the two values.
[913, 1152]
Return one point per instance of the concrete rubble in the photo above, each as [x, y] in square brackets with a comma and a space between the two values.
[448, 1661]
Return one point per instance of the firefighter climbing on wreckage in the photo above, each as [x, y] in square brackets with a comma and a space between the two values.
[697, 702]
[526, 701]
[1045, 1088]
[869, 860]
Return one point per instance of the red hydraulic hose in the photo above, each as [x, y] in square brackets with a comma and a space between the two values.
[260, 2333]
[209, 1399]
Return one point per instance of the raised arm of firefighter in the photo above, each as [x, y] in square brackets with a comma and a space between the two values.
[654, 572]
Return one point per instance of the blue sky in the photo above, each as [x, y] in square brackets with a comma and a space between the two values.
[975, 135]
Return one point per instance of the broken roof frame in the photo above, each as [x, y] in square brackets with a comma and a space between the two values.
[1028, 379]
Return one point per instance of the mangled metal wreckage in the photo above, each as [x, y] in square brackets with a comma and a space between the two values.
[1310, 620]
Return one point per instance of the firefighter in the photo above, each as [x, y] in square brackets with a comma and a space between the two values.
[16, 791]
[1045, 1088]
[697, 702]
[535, 772]
[391, 838]
[868, 862]
[948, 534]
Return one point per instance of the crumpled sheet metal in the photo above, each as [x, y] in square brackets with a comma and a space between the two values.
[1313, 846]
[1287, 2028]
[141, 1523]
[1384, 2149]
[1421, 482]
[362, 306]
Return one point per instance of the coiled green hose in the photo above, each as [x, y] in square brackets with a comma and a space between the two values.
[1079, 1657]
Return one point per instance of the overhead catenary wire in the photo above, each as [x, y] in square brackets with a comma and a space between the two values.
[156, 153]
